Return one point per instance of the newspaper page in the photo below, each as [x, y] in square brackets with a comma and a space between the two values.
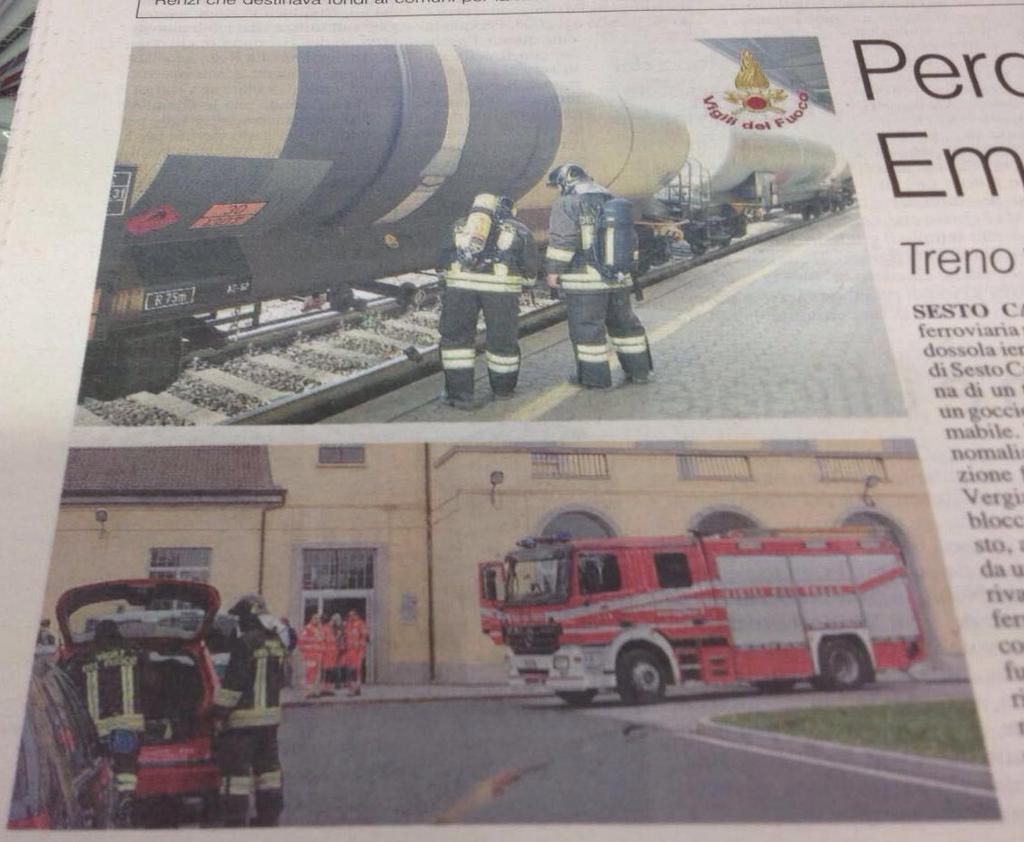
[561, 418]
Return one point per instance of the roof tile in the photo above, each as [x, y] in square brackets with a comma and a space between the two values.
[168, 470]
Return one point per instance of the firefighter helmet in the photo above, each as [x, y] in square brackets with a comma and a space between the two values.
[107, 631]
[249, 606]
[505, 208]
[566, 177]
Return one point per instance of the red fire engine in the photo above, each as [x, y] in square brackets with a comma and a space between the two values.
[637, 614]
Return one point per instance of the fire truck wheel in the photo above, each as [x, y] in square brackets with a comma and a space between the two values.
[639, 678]
[843, 665]
[577, 698]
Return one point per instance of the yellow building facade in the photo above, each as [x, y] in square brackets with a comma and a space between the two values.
[314, 529]
[396, 531]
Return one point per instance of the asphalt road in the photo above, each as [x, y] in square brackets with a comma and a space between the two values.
[538, 761]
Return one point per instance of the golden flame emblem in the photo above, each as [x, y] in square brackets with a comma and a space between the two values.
[751, 76]
[754, 93]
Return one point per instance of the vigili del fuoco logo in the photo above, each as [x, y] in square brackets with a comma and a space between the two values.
[765, 107]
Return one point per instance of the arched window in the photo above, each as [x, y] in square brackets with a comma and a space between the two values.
[722, 521]
[578, 525]
[883, 524]
[894, 532]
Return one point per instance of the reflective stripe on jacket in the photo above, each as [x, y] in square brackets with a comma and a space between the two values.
[112, 690]
[251, 689]
[499, 281]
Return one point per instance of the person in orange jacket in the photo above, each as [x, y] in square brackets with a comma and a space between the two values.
[313, 650]
[355, 636]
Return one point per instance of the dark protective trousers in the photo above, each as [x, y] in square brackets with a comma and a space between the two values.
[594, 319]
[126, 769]
[459, 311]
[248, 760]
[125, 766]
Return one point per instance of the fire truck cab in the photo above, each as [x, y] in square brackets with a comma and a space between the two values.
[637, 614]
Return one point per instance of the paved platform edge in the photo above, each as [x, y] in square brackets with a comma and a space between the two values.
[417, 693]
[944, 771]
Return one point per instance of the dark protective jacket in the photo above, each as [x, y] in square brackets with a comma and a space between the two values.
[495, 270]
[250, 694]
[566, 255]
[111, 678]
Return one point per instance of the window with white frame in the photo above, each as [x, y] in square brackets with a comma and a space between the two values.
[182, 563]
[338, 568]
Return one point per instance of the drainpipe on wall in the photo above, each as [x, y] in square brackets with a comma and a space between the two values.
[263, 544]
[431, 654]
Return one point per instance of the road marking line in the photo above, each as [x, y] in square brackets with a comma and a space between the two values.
[483, 792]
[545, 402]
[551, 398]
[848, 767]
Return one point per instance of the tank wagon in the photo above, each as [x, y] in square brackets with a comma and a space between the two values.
[303, 169]
[732, 177]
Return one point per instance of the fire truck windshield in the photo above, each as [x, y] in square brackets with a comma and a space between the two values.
[536, 578]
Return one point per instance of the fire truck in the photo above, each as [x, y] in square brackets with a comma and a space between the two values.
[635, 615]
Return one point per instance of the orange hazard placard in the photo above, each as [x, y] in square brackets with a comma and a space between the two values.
[217, 216]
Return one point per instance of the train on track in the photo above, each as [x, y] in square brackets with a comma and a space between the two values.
[339, 168]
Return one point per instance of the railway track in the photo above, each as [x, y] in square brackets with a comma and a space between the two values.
[303, 369]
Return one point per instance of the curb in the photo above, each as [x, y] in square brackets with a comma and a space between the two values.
[941, 771]
[349, 701]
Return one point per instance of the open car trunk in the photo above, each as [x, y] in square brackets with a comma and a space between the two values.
[166, 622]
[175, 697]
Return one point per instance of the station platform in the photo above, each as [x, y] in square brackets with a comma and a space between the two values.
[790, 328]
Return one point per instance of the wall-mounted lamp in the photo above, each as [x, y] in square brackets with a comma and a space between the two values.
[497, 478]
[101, 516]
[869, 482]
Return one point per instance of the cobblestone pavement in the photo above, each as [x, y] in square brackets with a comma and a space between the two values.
[789, 328]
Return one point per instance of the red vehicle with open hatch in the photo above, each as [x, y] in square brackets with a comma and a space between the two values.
[167, 620]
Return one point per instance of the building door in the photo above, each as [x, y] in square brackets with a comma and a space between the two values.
[338, 580]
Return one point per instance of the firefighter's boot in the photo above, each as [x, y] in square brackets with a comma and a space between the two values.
[501, 313]
[628, 338]
[634, 354]
[269, 804]
[458, 346]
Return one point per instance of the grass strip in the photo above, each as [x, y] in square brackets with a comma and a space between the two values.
[945, 729]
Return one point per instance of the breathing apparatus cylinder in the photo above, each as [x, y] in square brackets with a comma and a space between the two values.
[504, 244]
[617, 250]
[472, 240]
[588, 232]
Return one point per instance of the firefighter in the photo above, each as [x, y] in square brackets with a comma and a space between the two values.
[247, 713]
[590, 260]
[355, 638]
[111, 675]
[487, 260]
